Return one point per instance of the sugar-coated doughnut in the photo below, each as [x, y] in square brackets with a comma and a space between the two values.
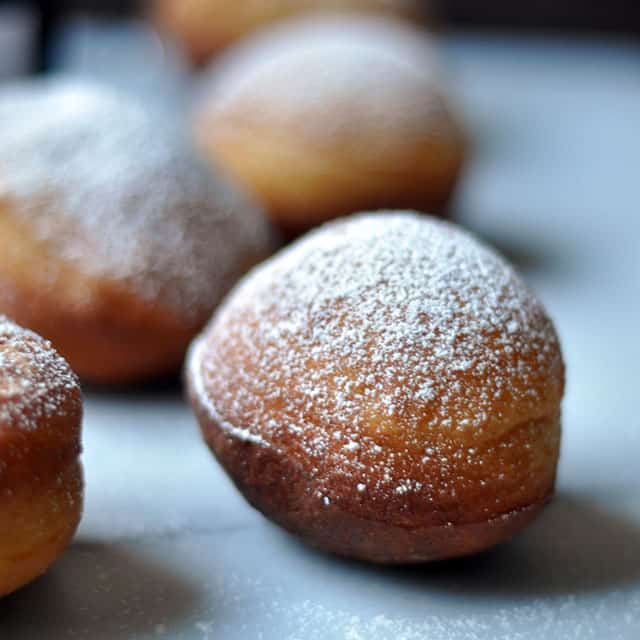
[40, 471]
[204, 27]
[386, 388]
[117, 242]
[324, 117]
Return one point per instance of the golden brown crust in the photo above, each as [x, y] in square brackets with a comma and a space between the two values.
[40, 473]
[205, 27]
[377, 132]
[109, 334]
[38, 520]
[302, 187]
[388, 528]
[386, 388]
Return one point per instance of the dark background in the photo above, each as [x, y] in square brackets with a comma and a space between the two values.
[572, 16]
[610, 15]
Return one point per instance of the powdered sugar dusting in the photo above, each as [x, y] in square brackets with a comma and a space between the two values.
[562, 618]
[116, 191]
[35, 382]
[280, 613]
[379, 329]
[328, 78]
[242, 434]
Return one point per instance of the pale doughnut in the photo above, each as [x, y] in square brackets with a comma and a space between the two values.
[204, 27]
[324, 117]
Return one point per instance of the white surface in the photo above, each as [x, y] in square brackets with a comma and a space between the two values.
[168, 549]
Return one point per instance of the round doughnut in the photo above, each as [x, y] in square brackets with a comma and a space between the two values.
[386, 388]
[117, 242]
[40, 471]
[324, 117]
[204, 27]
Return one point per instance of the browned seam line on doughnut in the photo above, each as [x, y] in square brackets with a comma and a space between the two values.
[500, 516]
[309, 481]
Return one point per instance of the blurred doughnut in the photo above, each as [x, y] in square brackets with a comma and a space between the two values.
[204, 27]
[386, 388]
[117, 242]
[40, 472]
[324, 117]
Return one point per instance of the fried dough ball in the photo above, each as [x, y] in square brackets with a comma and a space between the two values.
[40, 472]
[324, 117]
[204, 27]
[387, 388]
[117, 242]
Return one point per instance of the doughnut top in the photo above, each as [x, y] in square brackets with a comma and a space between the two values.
[330, 77]
[116, 190]
[35, 382]
[382, 342]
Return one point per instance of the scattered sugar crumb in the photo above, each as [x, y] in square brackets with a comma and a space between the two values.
[35, 381]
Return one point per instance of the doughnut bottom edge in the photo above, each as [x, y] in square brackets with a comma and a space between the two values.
[333, 529]
[277, 486]
[37, 523]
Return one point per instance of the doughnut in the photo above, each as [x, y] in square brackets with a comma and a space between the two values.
[205, 27]
[387, 388]
[117, 240]
[40, 472]
[323, 118]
